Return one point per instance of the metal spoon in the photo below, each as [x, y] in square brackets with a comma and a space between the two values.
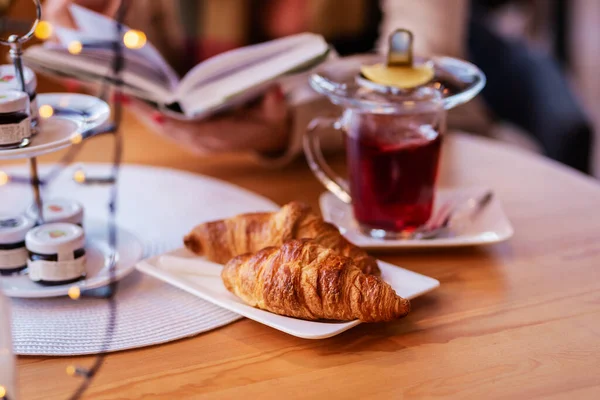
[474, 206]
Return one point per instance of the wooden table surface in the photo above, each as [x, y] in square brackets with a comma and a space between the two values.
[515, 320]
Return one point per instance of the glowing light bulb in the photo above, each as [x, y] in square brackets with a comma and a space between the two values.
[75, 47]
[74, 292]
[2, 392]
[46, 111]
[43, 30]
[71, 370]
[79, 176]
[3, 178]
[76, 139]
[134, 39]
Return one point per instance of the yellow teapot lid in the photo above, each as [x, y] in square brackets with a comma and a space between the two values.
[400, 71]
[400, 77]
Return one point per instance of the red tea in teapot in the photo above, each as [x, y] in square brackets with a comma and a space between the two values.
[392, 168]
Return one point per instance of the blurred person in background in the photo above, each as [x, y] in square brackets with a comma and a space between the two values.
[525, 87]
[512, 42]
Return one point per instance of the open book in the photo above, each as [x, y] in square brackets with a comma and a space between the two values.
[223, 81]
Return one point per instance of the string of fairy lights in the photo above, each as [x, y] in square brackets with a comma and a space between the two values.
[130, 39]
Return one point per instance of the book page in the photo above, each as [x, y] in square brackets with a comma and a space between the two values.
[102, 52]
[219, 93]
[228, 63]
[138, 75]
[96, 27]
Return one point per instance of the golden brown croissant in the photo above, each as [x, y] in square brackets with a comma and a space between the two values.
[222, 240]
[305, 280]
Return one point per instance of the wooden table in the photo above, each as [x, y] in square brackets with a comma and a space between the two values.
[515, 320]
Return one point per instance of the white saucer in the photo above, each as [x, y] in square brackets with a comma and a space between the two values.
[491, 226]
[129, 251]
[209, 286]
[72, 114]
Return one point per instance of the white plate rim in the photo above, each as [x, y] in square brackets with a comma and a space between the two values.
[41, 149]
[456, 241]
[149, 266]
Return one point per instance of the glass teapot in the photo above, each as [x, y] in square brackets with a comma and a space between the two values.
[393, 118]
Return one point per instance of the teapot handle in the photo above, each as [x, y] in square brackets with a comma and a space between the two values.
[314, 156]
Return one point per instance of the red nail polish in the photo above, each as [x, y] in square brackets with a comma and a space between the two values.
[71, 85]
[123, 97]
[280, 96]
[158, 117]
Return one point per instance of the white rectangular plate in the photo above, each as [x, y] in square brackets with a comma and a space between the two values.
[209, 287]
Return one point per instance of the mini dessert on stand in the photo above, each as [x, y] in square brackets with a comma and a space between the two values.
[13, 254]
[15, 124]
[56, 253]
[9, 81]
[59, 210]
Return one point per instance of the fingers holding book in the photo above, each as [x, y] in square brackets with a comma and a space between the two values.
[262, 126]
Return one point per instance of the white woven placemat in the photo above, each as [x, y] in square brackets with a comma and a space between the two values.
[148, 312]
[159, 206]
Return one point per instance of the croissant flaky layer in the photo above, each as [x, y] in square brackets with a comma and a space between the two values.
[222, 240]
[305, 280]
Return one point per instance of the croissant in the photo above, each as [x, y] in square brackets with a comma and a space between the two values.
[305, 280]
[222, 240]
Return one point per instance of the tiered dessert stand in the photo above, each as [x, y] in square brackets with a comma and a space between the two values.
[66, 121]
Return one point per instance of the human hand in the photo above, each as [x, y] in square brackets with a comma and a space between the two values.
[263, 127]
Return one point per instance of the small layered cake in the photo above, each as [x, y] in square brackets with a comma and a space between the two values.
[56, 253]
[59, 210]
[13, 254]
[10, 81]
[15, 124]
